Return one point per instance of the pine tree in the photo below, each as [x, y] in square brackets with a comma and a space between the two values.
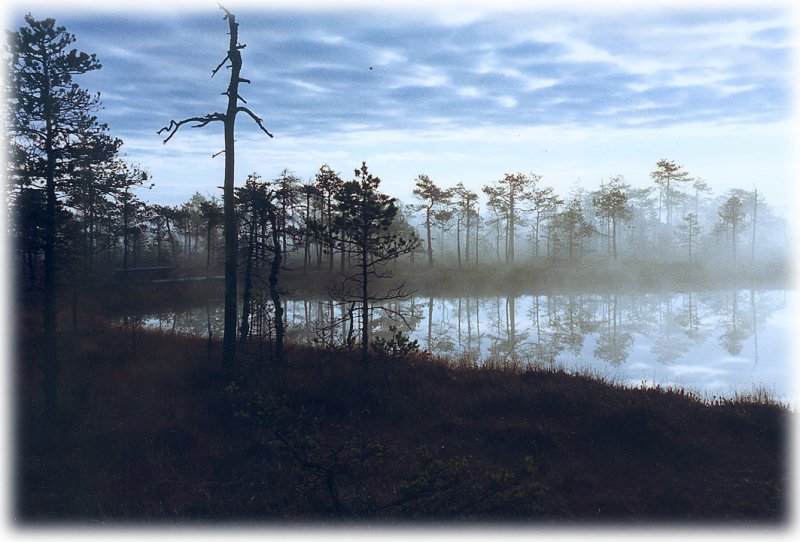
[431, 195]
[48, 116]
[665, 176]
[364, 227]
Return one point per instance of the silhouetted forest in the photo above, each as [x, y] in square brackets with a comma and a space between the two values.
[521, 222]
[90, 250]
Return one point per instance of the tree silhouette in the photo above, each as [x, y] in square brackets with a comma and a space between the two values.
[130, 208]
[252, 212]
[211, 212]
[665, 175]
[511, 190]
[545, 203]
[752, 203]
[48, 114]
[364, 224]
[571, 223]
[95, 182]
[499, 208]
[166, 214]
[327, 182]
[431, 195]
[466, 201]
[274, 271]
[228, 119]
[731, 218]
[612, 203]
[259, 206]
[310, 195]
[286, 193]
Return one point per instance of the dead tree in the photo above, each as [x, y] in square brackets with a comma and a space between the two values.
[228, 119]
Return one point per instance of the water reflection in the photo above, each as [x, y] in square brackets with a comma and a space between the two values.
[707, 341]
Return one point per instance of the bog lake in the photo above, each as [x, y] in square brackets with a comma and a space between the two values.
[716, 343]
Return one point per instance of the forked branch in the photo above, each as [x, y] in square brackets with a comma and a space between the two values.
[173, 126]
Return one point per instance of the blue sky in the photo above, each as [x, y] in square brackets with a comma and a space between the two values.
[460, 93]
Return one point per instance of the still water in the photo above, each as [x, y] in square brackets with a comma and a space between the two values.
[716, 343]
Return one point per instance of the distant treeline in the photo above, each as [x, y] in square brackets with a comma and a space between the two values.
[103, 228]
[519, 220]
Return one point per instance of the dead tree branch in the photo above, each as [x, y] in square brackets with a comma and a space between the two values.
[256, 118]
[173, 126]
[215, 70]
[229, 226]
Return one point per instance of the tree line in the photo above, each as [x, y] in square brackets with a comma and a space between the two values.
[517, 221]
[103, 225]
[668, 220]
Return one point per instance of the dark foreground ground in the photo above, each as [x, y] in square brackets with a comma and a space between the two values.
[151, 429]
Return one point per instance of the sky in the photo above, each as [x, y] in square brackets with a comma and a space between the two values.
[460, 92]
[464, 91]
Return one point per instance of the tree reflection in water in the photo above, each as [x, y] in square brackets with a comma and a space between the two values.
[614, 342]
[689, 332]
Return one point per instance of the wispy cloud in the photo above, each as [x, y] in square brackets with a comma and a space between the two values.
[350, 65]
[333, 76]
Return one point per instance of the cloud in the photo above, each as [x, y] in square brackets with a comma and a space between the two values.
[507, 101]
[420, 76]
[314, 89]
[316, 71]
[469, 92]
[384, 57]
[331, 78]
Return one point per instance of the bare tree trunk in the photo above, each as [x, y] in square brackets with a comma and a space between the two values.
[229, 330]
[458, 240]
[428, 238]
[497, 240]
[244, 329]
[614, 236]
[466, 238]
[307, 235]
[172, 243]
[328, 233]
[49, 306]
[364, 300]
[477, 227]
[342, 257]
[511, 228]
[229, 225]
[125, 223]
[273, 285]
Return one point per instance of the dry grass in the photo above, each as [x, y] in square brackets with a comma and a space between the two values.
[152, 429]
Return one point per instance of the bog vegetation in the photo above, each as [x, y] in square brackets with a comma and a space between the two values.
[316, 425]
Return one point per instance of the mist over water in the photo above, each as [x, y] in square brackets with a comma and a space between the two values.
[716, 343]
